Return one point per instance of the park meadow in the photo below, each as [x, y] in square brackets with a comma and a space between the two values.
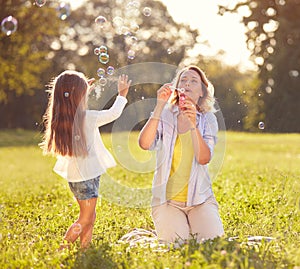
[257, 188]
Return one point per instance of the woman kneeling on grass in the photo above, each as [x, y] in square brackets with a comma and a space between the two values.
[183, 132]
[73, 136]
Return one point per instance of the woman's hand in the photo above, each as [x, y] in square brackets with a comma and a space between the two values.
[164, 93]
[189, 109]
[123, 85]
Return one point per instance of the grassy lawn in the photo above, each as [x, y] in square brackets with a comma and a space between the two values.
[257, 187]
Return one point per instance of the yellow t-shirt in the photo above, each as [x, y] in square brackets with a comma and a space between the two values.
[177, 187]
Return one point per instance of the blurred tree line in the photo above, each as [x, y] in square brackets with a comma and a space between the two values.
[273, 36]
[52, 38]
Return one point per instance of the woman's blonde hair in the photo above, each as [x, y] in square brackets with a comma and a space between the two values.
[64, 118]
[207, 101]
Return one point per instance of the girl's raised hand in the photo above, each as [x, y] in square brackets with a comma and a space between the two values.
[123, 85]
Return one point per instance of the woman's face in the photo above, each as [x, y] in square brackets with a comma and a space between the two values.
[191, 82]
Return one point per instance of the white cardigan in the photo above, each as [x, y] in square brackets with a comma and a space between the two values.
[76, 169]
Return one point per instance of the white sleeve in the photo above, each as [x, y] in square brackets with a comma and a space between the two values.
[108, 115]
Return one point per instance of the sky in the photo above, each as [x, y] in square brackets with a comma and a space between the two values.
[222, 32]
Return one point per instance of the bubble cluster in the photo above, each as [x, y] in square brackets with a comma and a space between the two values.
[9, 25]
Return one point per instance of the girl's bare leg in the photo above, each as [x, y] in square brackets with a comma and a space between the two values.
[84, 225]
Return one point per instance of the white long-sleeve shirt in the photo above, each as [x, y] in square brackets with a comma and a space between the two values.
[76, 169]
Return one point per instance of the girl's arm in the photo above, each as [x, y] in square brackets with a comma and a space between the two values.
[111, 114]
[148, 133]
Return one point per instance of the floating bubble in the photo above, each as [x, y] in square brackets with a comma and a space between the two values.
[102, 81]
[40, 3]
[104, 58]
[100, 20]
[66, 94]
[261, 125]
[271, 82]
[147, 11]
[169, 50]
[133, 5]
[9, 25]
[64, 10]
[268, 89]
[103, 49]
[101, 72]
[97, 51]
[118, 22]
[131, 40]
[77, 137]
[294, 73]
[134, 27]
[76, 228]
[131, 54]
[110, 70]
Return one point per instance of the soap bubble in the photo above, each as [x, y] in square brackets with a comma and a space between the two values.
[66, 94]
[100, 72]
[100, 20]
[118, 22]
[103, 49]
[131, 54]
[40, 3]
[268, 89]
[76, 228]
[294, 73]
[261, 125]
[9, 25]
[102, 81]
[169, 50]
[147, 11]
[63, 10]
[97, 51]
[104, 58]
[110, 70]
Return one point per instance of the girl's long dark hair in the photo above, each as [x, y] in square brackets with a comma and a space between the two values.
[64, 118]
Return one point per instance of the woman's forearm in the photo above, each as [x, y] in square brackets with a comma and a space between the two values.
[148, 133]
[201, 149]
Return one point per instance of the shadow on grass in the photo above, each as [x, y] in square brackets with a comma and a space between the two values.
[94, 257]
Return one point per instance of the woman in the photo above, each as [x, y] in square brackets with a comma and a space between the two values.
[183, 132]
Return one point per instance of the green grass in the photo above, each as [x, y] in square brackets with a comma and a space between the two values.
[257, 189]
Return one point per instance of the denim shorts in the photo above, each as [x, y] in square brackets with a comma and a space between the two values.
[87, 189]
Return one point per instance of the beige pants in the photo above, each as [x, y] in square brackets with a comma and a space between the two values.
[175, 221]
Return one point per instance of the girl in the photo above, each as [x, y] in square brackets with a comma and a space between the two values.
[183, 132]
[71, 134]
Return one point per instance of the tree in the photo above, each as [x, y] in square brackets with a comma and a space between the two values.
[23, 58]
[273, 31]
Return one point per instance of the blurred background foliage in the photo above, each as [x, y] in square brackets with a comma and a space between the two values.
[47, 43]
